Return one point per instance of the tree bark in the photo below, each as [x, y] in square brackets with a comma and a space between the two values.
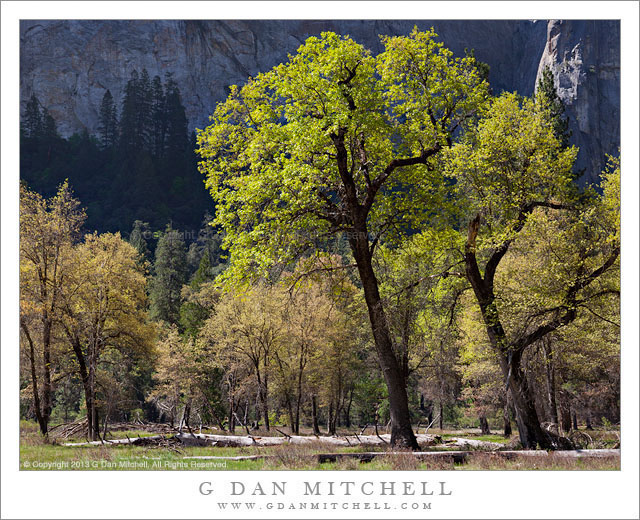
[34, 380]
[506, 418]
[314, 415]
[551, 382]
[531, 433]
[401, 432]
[484, 425]
[331, 425]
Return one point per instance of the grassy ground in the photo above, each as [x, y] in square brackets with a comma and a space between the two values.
[37, 454]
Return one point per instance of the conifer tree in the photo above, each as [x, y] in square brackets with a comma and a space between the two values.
[137, 238]
[170, 274]
[157, 116]
[108, 122]
[32, 125]
[547, 96]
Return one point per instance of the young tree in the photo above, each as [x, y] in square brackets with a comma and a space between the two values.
[108, 121]
[138, 238]
[32, 119]
[337, 140]
[170, 274]
[245, 329]
[104, 308]
[47, 230]
[513, 173]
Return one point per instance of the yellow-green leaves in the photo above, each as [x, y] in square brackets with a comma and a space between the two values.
[272, 154]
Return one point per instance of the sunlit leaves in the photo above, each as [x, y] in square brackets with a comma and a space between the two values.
[271, 158]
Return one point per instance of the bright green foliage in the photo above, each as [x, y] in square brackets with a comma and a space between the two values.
[272, 153]
[509, 164]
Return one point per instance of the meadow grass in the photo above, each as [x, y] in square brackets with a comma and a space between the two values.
[36, 453]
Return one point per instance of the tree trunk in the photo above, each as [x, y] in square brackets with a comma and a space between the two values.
[402, 435]
[314, 415]
[565, 411]
[34, 380]
[575, 419]
[331, 422]
[507, 419]
[441, 416]
[262, 395]
[290, 414]
[347, 412]
[484, 425]
[551, 382]
[232, 418]
[46, 387]
[531, 433]
[588, 420]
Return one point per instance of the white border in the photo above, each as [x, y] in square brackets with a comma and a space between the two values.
[174, 494]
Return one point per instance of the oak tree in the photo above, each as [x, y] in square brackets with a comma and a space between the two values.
[336, 141]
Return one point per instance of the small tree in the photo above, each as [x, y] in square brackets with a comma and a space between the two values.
[170, 274]
[104, 308]
[108, 121]
[47, 231]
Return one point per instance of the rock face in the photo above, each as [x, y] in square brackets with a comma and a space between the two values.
[69, 65]
[584, 57]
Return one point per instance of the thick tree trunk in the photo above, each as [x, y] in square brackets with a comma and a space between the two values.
[314, 415]
[531, 433]
[484, 425]
[588, 420]
[441, 416]
[575, 419]
[401, 432]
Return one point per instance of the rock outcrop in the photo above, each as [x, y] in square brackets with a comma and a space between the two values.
[584, 56]
[69, 65]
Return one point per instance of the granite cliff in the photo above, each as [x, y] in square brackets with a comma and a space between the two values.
[69, 65]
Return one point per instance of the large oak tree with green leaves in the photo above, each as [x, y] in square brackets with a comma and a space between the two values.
[515, 176]
[337, 140]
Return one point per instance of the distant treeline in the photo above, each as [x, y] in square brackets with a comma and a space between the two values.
[140, 166]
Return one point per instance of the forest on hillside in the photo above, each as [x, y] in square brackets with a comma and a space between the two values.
[378, 240]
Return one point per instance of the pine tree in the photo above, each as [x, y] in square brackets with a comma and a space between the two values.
[129, 132]
[144, 121]
[170, 274]
[176, 122]
[32, 121]
[108, 121]
[157, 116]
[547, 95]
[137, 238]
